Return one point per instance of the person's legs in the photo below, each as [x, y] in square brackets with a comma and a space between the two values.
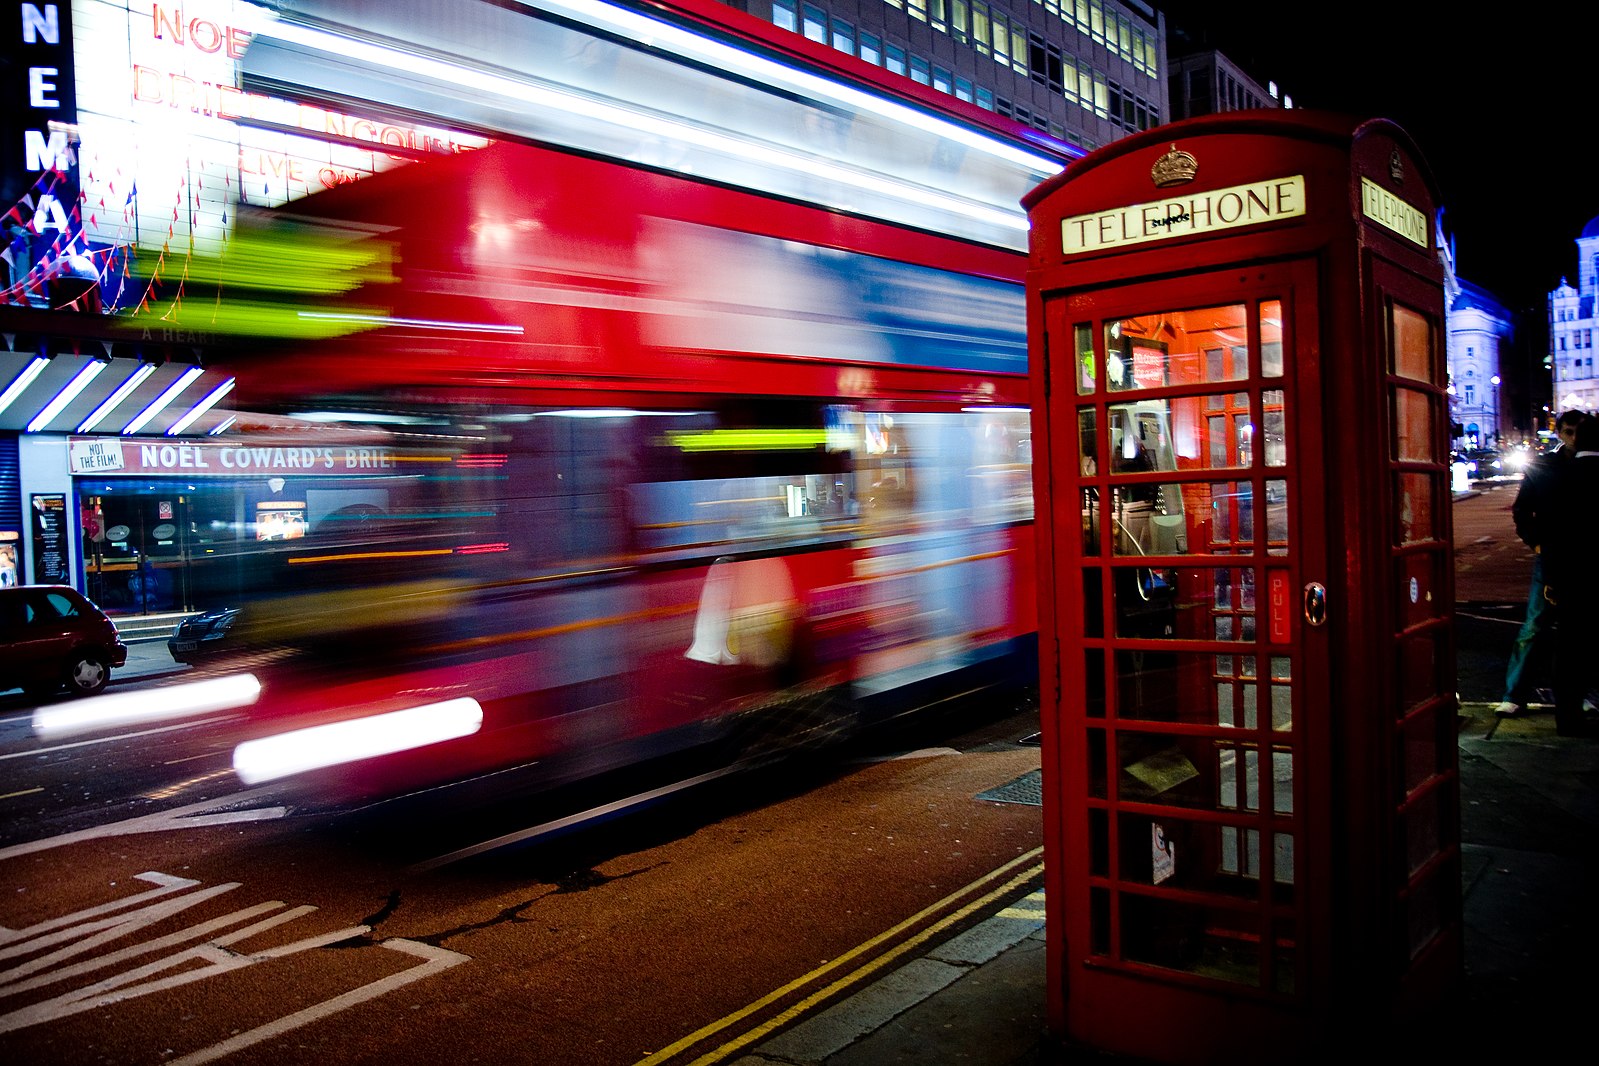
[1518, 673]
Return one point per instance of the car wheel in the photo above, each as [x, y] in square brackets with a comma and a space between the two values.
[87, 674]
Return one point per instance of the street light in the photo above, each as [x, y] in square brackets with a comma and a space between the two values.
[1495, 381]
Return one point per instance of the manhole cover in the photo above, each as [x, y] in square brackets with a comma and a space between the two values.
[1028, 788]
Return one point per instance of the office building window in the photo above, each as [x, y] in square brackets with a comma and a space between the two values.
[985, 98]
[785, 15]
[963, 90]
[920, 72]
[1044, 63]
[894, 58]
[844, 36]
[815, 24]
[943, 80]
[872, 48]
[917, 9]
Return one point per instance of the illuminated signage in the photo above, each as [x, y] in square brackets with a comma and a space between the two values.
[1184, 215]
[171, 142]
[38, 181]
[1390, 212]
[107, 456]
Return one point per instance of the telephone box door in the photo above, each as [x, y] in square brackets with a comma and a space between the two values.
[1193, 734]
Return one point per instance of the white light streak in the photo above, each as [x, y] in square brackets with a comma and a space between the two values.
[420, 323]
[23, 380]
[133, 381]
[145, 707]
[666, 37]
[201, 408]
[81, 379]
[160, 403]
[337, 743]
[642, 122]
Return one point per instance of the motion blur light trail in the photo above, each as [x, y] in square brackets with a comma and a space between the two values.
[143, 708]
[322, 746]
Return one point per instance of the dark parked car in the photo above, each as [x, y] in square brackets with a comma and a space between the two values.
[201, 637]
[51, 636]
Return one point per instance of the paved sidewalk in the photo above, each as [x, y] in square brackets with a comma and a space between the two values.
[1529, 828]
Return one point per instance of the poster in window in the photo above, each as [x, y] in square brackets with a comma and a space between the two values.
[280, 520]
[50, 538]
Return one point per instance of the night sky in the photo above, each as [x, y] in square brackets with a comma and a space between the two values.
[1497, 98]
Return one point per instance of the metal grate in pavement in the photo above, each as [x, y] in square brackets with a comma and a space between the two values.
[1028, 788]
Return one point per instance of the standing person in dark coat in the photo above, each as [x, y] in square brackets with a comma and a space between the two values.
[1531, 514]
[1571, 568]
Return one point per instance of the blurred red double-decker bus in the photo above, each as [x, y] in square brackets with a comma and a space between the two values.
[627, 454]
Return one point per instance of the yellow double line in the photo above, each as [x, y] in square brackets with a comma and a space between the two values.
[859, 973]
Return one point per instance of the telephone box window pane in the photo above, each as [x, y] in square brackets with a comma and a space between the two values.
[1191, 688]
[1094, 682]
[1177, 348]
[1187, 603]
[1423, 824]
[1087, 443]
[1421, 736]
[1093, 603]
[1419, 679]
[1283, 959]
[1177, 434]
[1085, 359]
[1223, 945]
[1282, 854]
[1276, 518]
[1196, 773]
[1098, 843]
[1095, 769]
[1420, 592]
[1274, 419]
[1413, 426]
[1090, 511]
[1271, 339]
[1170, 518]
[1412, 342]
[1417, 505]
[1282, 707]
[1099, 921]
[1172, 851]
[1282, 781]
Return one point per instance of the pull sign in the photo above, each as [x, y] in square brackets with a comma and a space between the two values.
[1278, 607]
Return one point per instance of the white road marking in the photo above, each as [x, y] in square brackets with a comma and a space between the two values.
[437, 960]
[165, 884]
[193, 932]
[186, 817]
[91, 927]
[104, 930]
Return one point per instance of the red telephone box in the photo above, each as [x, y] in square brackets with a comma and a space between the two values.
[1248, 696]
